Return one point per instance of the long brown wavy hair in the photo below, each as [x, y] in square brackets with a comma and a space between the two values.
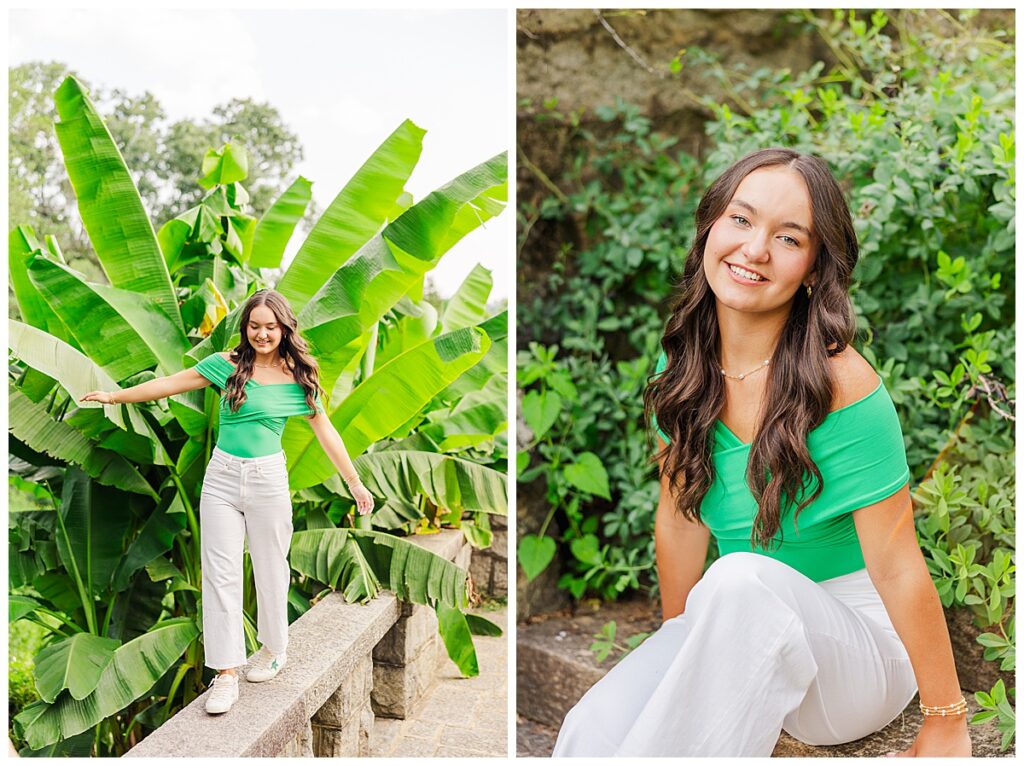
[686, 399]
[292, 349]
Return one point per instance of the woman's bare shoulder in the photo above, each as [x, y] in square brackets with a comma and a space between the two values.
[226, 355]
[854, 377]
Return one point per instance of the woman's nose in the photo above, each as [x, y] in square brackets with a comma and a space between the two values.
[755, 248]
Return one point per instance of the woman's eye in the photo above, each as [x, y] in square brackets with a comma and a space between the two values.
[740, 220]
[790, 241]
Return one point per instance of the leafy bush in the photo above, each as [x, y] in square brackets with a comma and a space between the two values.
[920, 135]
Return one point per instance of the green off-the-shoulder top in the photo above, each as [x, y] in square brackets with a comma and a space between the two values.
[255, 430]
[860, 453]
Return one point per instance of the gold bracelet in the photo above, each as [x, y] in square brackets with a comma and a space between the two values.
[957, 708]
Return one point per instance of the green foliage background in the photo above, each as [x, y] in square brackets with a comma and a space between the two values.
[918, 127]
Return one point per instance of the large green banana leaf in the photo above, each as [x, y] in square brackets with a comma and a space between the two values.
[468, 306]
[22, 247]
[448, 482]
[414, 324]
[155, 538]
[458, 641]
[276, 225]
[32, 424]
[109, 202]
[360, 562]
[136, 667]
[354, 216]
[74, 663]
[73, 369]
[384, 402]
[493, 365]
[165, 337]
[90, 531]
[100, 331]
[390, 264]
[467, 427]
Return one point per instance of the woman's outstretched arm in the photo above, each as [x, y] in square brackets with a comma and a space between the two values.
[330, 440]
[681, 547]
[899, 573]
[158, 388]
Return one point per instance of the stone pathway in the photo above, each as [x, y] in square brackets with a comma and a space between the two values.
[460, 717]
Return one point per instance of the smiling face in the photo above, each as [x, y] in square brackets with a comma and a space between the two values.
[263, 330]
[761, 250]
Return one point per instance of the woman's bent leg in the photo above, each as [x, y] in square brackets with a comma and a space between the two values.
[600, 721]
[756, 632]
[745, 664]
[864, 677]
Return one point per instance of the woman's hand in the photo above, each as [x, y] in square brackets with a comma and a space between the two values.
[362, 496]
[98, 396]
[940, 737]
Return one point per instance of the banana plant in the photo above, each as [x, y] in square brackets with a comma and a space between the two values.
[104, 550]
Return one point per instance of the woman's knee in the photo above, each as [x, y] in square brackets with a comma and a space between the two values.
[738, 579]
[738, 572]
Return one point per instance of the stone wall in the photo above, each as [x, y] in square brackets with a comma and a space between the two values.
[347, 663]
[489, 567]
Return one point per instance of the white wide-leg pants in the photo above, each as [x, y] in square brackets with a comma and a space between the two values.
[244, 498]
[760, 648]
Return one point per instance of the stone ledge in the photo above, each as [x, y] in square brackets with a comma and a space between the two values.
[321, 701]
[269, 716]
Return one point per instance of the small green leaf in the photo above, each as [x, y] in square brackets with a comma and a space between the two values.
[535, 553]
[587, 549]
[589, 475]
[540, 411]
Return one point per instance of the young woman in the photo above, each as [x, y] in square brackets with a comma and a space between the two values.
[266, 379]
[777, 437]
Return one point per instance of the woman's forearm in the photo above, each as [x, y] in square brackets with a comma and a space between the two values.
[158, 388]
[915, 610]
[335, 449]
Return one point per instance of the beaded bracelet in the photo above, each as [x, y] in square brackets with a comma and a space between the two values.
[957, 708]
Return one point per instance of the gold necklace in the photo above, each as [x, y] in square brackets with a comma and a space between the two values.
[742, 375]
[264, 366]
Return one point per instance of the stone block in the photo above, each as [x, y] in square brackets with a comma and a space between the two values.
[366, 720]
[499, 543]
[499, 578]
[353, 695]
[331, 742]
[398, 689]
[481, 568]
[463, 556]
[407, 637]
[300, 746]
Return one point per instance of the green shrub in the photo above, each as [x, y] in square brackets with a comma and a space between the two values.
[919, 134]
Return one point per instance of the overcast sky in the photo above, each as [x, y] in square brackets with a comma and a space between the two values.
[342, 80]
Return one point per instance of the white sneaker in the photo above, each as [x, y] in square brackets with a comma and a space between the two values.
[223, 694]
[264, 665]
